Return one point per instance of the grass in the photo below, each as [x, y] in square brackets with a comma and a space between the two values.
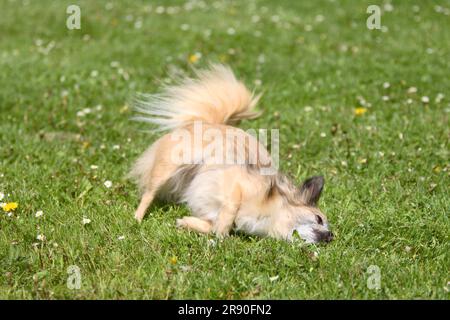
[387, 170]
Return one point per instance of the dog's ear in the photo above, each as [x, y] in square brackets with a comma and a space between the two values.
[311, 189]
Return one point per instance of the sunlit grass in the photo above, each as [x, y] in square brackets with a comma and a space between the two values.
[367, 109]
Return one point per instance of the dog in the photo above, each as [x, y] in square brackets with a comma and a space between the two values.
[222, 195]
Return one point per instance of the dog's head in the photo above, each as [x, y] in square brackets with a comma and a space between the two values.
[300, 210]
[311, 224]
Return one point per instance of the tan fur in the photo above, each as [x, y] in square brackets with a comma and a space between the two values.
[222, 196]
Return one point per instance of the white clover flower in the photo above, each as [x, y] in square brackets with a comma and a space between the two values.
[2, 195]
[160, 10]
[40, 237]
[261, 58]
[84, 112]
[255, 18]
[385, 98]
[231, 31]
[207, 33]
[425, 99]
[172, 10]
[85, 221]
[108, 184]
[272, 279]
[121, 238]
[185, 268]
[386, 85]
[388, 7]
[412, 90]
[39, 213]
[94, 167]
[438, 99]
[116, 147]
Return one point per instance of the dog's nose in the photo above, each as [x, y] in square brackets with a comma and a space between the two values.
[325, 236]
[329, 236]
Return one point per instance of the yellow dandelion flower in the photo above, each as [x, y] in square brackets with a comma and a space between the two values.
[174, 260]
[10, 206]
[124, 109]
[223, 58]
[360, 111]
[193, 58]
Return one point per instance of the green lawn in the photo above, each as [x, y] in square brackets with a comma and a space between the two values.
[387, 169]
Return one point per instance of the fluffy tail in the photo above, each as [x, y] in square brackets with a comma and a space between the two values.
[215, 96]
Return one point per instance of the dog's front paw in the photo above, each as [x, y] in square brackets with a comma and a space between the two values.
[138, 218]
[221, 232]
[181, 223]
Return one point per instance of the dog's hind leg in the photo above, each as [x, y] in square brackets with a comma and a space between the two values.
[158, 177]
[146, 200]
[195, 224]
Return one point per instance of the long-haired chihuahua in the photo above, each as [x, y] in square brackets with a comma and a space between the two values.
[218, 170]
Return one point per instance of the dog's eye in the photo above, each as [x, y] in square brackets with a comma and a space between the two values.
[319, 220]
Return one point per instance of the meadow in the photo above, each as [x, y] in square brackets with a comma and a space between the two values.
[367, 109]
